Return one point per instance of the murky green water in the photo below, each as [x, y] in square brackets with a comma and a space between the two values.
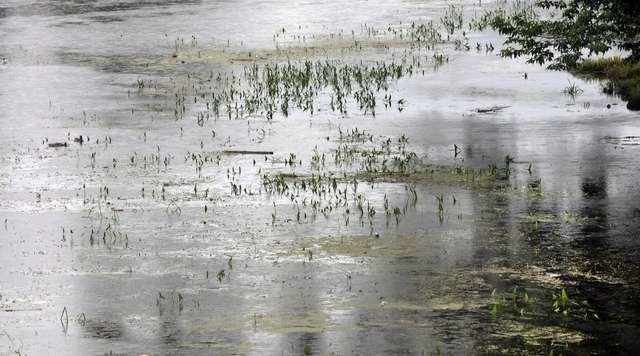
[477, 212]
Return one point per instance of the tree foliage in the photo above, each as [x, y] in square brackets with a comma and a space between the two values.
[561, 33]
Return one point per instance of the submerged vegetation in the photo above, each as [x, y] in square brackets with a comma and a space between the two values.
[540, 319]
[360, 158]
[265, 89]
[286, 192]
[314, 74]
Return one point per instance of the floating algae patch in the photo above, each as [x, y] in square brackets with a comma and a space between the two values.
[286, 323]
[138, 63]
[416, 38]
[325, 48]
[531, 274]
[234, 347]
[372, 246]
[535, 314]
[349, 246]
[453, 302]
[538, 336]
[463, 290]
[451, 176]
[363, 158]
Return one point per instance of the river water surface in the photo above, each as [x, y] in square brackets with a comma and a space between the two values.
[477, 210]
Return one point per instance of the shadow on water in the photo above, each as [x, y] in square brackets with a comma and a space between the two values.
[567, 240]
[103, 329]
[601, 240]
